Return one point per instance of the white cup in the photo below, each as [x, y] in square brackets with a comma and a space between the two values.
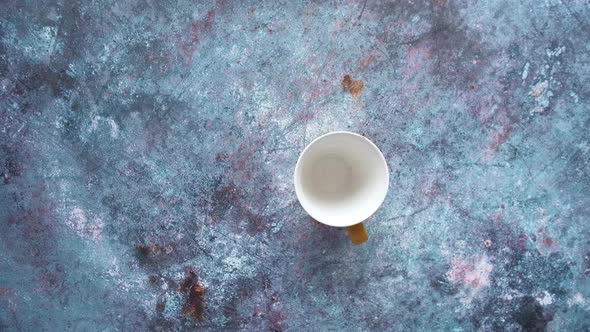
[341, 179]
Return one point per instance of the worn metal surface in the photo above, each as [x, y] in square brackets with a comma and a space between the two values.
[147, 147]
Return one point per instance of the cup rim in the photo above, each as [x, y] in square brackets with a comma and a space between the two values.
[298, 165]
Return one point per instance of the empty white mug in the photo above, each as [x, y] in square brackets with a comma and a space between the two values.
[341, 179]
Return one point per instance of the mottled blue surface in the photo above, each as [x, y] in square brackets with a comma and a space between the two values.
[147, 150]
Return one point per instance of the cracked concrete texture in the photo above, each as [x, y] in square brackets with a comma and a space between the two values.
[147, 150]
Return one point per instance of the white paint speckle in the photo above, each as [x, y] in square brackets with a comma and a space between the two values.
[525, 71]
[577, 299]
[539, 88]
[97, 120]
[473, 272]
[584, 146]
[575, 97]
[545, 298]
[555, 52]
[114, 128]
[85, 228]
[234, 263]
[542, 95]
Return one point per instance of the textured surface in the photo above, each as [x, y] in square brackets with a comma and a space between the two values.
[147, 147]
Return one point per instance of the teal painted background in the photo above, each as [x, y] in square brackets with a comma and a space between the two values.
[147, 150]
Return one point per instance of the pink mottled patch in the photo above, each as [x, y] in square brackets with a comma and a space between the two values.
[243, 159]
[307, 116]
[496, 139]
[432, 191]
[196, 33]
[51, 280]
[6, 291]
[498, 216]
[366, 60]
[416, 59]
[8, 295]
[314, 86]
[522, 239]
[500, 137]
[85, 228]
[473, 272]
[338, 26]
[545, 243]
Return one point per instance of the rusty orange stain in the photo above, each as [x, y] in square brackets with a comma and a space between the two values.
[354, 87]
[366, 62]
[195, 302]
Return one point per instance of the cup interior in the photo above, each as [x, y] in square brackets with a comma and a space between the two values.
[341, 179]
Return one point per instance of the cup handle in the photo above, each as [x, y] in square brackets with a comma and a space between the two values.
[357, 233]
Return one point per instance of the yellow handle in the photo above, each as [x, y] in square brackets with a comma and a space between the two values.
[358, 233]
